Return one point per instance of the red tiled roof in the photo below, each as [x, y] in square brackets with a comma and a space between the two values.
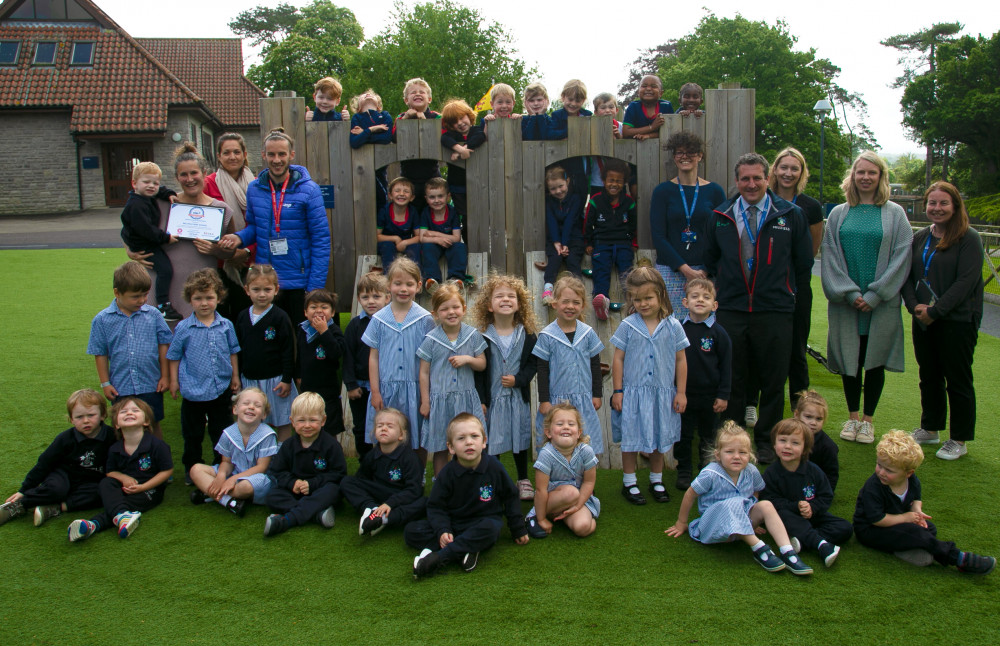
[213, 69]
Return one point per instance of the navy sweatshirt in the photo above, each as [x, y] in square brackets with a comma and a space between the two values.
[320, 463]
[399, 470]
[82, 458]
[786, 488]
[610, 224]
[267, 349]
[141, 221]
[709, 359]
[473, 140]
[318, 364]
[461, 495]
[355, 364]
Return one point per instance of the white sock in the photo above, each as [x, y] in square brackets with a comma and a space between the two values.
[655, 478]
[789, 551]
[758, 545]
[629, 480]
[547, 287]
[224, 500]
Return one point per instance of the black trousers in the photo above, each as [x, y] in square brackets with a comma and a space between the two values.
[476, 535]
[359, 411]
[908, 536]
[554, 261]
[699, 417]
[164, 274]
[116, 501]
[874, 381]
[293, 302]
[217, 412]
[798, 367]
[361, 494]
[302, 509]
[762, 340]
[944, 354]
[810, 531]
[57, 488]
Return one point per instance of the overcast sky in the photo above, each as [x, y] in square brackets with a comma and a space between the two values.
[604, 39]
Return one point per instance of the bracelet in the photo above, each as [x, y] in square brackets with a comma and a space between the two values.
[618, 391]
[105, 384]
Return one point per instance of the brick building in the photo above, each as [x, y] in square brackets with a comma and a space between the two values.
[82, 101]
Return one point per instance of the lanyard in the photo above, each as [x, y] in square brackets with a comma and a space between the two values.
[927, 259]
[762, 212]
[276, 206]
[689, 212]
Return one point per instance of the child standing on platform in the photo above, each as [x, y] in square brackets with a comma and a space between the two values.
[321, 348]
[267, 348]
[327, 93]
[644, 116]
[811, 409]
[605, 105]
[504, 315]
[397, 224]
[448, 355]
[649, 373]
[574, 95]
[373, 295]
[610, 234]
[372, 125]
[440, 230]
[563, 229]
[461, 137]
[726, 494]
[417, 97]
[535, 122]
[569, 361]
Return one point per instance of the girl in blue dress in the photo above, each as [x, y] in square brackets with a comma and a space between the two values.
[394, 334]
[565, 473]
[504, 315]
[569, 361]
[726, 491]
[448, 355]
[650, 387]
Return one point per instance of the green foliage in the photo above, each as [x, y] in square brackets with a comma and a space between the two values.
[908, 170]
[265, 24]
[985, 207]
[788, 83]
[647, 62]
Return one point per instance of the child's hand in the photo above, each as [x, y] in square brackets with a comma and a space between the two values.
[759, 530]
[919, 518]
[174, 389]
[173, 239]
[401, 246]
[544, 408]
[516, 115]
[381, 127]
[377, 401]
[597, 403]
[454, 156]
[544, 523]
[522, 540]
[111, 393]
[301, 487]
[680, 402]
[133, 488]
[309, 115]
[677, 529]
[616, 402]
[228, 485]
[128, 481]
[569, 511]
[446, 538]
[215, 486]
[382, 510]
[234, 385]
[805, 509]
[162, 385]
[657, 121]
[459, 360]
[230, 241]
[319, 322]
[357, 130]
[15, 497]
[641, 137]
[344, 114]
[425, 410]
[484, 411]
[490, 117]
[354, 394]
[282, 389]
[508, 381]
[719, 405]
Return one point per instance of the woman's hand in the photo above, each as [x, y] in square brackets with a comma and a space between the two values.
[140, 257]
[861, 305]
[691, 274]
[922, 314]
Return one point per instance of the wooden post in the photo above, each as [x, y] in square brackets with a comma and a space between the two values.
[513, 202]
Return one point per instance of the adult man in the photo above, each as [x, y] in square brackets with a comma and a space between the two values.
[758, 249]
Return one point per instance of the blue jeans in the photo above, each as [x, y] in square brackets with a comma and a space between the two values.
[620, 256]
[388, 252]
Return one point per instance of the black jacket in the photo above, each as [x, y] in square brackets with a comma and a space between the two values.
[462, 495]
[785, 489]
[82, 458]
[399, 470]
[318, 362]
[320, 463]
[522, 380]
[355, 364]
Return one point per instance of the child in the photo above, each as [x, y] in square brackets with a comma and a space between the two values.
[710, 372]
[811, 410]
[397, 224]
[394, 334]
[649, 373]
[142, 233]
[129, 341]
[535, 123]
[246, 448]
[691, 96]
[461, 137]
[448, 355]
[467, 500]
[605, 105]
[504, 315]
[137, 470]
[306, 471]
[800, 492]
[387, 489]
[321, 348]
[502, 102]
[644, 116]
[417, 97]
[889, 515]
[373, 295]
[573, 96]
[203, 366]
[327, 97]
[610, 234]
[725, 491]
[569, 361]
[565, 472]
[267, 348]
[372, 125]
[563, 229]
[67, 473]
[440, 230]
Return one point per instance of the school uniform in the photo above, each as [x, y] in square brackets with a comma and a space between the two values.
[569, 378]
[418, 171]
[267, 346]
[355, 374]
[558, 127]
[468, 504]
[331, 115]
[406, 229]
[709, 374]
[318, 368]
[875, 501]
[321, 464]
[508, 410]
[563, 224]
[262, 443]
[568, 472]
[475, 138]
[365, 120]
[636, 116]
[723, 505]
[535, 127]
[785, 489]
[647, 421]
[394, 479]
[69, 470]
[398, 365]
[611, 231]
[431, 252]
[824, 455]
[149, 458]
[453, 390]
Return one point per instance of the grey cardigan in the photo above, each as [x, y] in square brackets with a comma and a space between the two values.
[885, 337]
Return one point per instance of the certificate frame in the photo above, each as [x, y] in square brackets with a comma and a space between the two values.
[196, 222]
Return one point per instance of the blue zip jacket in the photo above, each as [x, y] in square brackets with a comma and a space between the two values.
[558, 128]
[303, 223]
[563, 220]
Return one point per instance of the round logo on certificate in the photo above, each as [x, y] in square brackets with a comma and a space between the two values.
[196, 212]
[179, 230]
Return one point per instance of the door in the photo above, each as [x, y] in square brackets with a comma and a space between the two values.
[119, 159]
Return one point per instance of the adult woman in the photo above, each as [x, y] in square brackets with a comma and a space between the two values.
[866, 259]
[286, 219]
[944, 293]
[678, 211]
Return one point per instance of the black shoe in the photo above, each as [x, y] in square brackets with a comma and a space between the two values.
[238, 507]
[168, 312]
[426, 563]
[976, 564]
[765, 454]
[470, 561]
[371, 524]
[635, 498]
[658, 492]
[275, 524]
[683, 481]
[198, 497]
[534, 529]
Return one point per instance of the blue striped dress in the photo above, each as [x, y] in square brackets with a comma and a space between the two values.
[509, 415]
[724, 506]
[562, 471]
[398, 365]
[648, 421]
[569, 374]
[263, 443]
[453, 390]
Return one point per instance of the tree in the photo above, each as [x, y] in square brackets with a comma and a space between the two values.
[647, 62]
[265, 24]
[788, 83]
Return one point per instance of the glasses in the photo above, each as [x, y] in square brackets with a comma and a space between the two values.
[682, 154]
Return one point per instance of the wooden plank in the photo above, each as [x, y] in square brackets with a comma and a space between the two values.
[555, 151]
[429, 138]
[317, 160]
[513, 199]
[535, 282]
[363, 265]
[477, 200]
[385, 154]
[363, 177]
[626, 150]
[672, 123]
[533, 197]
[342, 224]
[578, 137]
[602, 136]
[293, 118]
[742, 135]
[407, 139]
[479, 267]
[716, 132]
[270, 116]
[497, 210]
[648, 178]
[697, 126]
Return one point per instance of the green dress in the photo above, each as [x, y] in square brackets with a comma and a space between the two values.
[861, 238]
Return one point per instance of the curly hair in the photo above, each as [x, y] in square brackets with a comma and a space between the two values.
[482, 317]
[565, 406]
[729, 432]
[204, 280]
[899, 449]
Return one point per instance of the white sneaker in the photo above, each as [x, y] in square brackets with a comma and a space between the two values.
[952, 450]
[866, 433]
[751, 416]
[925, 437]
[795, 543]
[849, 431]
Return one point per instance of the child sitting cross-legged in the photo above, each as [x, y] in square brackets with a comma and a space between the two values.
[440, 231]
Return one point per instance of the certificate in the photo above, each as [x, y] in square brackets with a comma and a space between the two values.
[195, 222]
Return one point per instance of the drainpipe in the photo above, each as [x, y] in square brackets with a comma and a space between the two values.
[79, 172]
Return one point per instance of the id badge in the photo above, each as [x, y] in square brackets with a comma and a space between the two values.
[279, 246]
[688, 236]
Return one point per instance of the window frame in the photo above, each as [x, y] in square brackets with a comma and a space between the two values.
[55, 53]
[17, 53]
[93, 50]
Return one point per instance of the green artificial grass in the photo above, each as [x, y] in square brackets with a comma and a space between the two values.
[200, 575]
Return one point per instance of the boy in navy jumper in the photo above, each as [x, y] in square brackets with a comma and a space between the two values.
[535, 122]
[320, 348]
[306, 472]
[327, 96]
[396, 224]
[574, 95]
[373, 295]
[709, 358]
[644, 117]
[68, 471]
[610, 233]
[440, 235]
[469, 497]
[417, 97]
[372, 125]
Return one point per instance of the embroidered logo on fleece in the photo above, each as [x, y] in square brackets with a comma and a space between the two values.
[270, 333]
[809, 491]
[707, 343]
[320, 464]
[87, 460]
[395, 474]
[320, 352]
[486, 493]
[145, 462]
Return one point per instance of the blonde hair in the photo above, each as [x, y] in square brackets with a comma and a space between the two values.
[462, 418]
[525, 314]
[356, 100]
[808, 398]
[329, 85]
[565, 406]
[899, 449]
[556, 173]
[258, 271]
[574, 89]
[535, 89]
[256, 391]
[882, 191]
[700, 283]
[87, 397]
[445, 293]
[145, 168]
[404, 424]
[417, 81]
[568, 281]
[791, 426]
[730, 432]
[502, 89]
[308, 403]
[800, 186]
[642, 275]
[403, 265]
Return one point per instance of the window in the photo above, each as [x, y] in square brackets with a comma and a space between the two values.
[45, 53]
[50, 10]
[83, 54]
[9, 50]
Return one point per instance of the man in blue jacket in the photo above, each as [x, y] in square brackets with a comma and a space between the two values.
[758, 249]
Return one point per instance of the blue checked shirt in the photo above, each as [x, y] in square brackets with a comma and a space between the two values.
[205, 370]
[131, 344]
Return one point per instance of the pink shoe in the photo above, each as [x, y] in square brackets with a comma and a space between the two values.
[601, 307]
